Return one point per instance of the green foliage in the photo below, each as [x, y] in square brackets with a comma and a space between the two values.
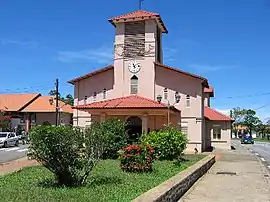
[114, 130]
[168, 142]
[67, 152]
[5, 123]
[251, 120]
[137, 158]
[68, 99]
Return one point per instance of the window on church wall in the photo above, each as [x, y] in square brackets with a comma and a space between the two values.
[134, 85]
[94, 96]
[216, 133]
[165, 94]
[134, 42]
[187, 100]
[85, 100]
[104, 93]
[184, 128]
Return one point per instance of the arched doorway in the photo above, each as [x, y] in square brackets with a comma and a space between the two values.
[134, 128]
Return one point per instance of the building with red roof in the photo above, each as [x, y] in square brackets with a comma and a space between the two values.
[142, 90]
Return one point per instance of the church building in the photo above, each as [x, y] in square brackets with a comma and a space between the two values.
[140, 89]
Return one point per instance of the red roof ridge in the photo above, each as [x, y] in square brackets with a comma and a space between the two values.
[90, 74]
[124, 98]
[183, 72]
[147, 13]
[134, 15]
[227, 118]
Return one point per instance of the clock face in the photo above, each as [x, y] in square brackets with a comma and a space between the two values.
[134, 67]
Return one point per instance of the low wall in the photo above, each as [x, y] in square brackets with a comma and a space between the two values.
[174, 188]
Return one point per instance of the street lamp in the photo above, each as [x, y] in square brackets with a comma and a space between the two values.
[177, 100]
[51, 100]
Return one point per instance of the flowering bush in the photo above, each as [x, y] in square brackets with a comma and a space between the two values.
[137, 158]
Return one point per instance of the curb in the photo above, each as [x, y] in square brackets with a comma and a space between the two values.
[175, 187]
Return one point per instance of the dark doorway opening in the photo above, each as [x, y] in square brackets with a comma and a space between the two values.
[134, 128]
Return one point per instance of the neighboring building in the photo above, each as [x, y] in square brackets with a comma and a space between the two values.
[138, 87]
[27, 110]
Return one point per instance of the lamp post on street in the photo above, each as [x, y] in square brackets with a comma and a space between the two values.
[177, 100]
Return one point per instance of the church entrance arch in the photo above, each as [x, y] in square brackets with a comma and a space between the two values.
[134, 128]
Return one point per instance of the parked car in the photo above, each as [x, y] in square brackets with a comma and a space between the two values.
[247, 139]
[8, 139]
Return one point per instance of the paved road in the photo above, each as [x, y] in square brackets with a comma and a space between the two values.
[12, 153]
[262, 150]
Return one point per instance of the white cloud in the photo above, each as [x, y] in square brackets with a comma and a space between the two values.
[201, 67]
[169, 54]
[25, 44]
[102, 55]
[224, 111]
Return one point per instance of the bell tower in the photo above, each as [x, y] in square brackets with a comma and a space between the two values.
[137, 45]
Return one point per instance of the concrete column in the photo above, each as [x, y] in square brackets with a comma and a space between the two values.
[27, 123]
[102, 117]
[144, 124]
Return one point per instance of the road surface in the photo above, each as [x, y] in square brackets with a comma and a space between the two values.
[12, 153]
[260, 149]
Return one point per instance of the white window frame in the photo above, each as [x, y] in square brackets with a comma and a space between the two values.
[217, 131]
[104, 93]
[184, 125]
[188, 101]
[134, 84]
[165, 91]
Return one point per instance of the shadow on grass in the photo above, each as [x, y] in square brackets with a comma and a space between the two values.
[104, 180]
[95, 181]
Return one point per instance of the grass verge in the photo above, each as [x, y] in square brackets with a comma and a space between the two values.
[106, 183]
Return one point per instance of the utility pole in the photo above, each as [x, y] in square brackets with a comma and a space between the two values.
[56, 102]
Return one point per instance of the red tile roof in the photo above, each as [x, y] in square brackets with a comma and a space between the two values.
[139, 15]
[16, 102]
[214, 115]
[128, 102]
[209, 90]
[42, 104]
[205, 82]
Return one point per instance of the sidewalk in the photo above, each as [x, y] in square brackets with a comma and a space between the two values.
[16, 165]
[250, 184]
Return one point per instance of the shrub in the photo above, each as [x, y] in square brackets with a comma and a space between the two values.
[168, 142]
[114, 130]
[68, 153]
[137, 158]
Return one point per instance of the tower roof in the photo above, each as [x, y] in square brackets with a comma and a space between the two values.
[138, 16]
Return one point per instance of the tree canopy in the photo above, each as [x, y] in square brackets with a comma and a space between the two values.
[68, 99]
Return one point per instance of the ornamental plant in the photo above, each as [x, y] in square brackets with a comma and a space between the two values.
[69, 153]
[137, 158]
[168, 143]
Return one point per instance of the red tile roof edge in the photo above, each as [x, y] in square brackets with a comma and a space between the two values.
[222, 117]
[209, 90]
[205, 82]
[96, 72]
[139, 14]
[158, 105]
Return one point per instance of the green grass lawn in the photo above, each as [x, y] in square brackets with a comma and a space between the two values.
[106, 183]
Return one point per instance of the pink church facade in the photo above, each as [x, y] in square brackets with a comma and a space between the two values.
[140, 89]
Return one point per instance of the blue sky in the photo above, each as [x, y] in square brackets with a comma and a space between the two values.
[226, 41]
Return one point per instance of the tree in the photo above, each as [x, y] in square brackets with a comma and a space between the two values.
[238, 115]
[4, 122]
[67, 152]
[251, 120]
[68, 99]
[261, 129]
